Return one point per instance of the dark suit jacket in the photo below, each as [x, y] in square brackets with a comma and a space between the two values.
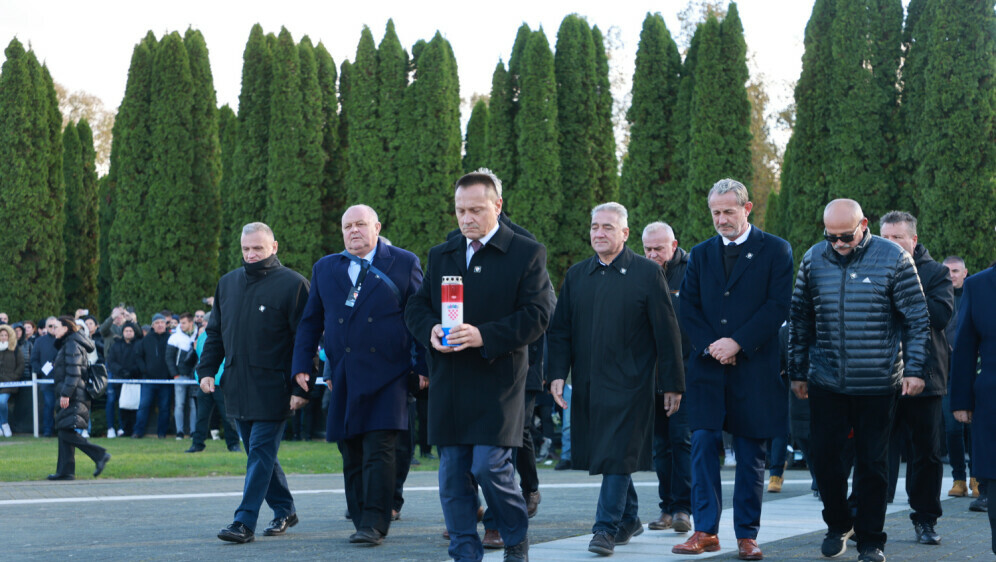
[747, 399]
[977, 392]
[476, 396]
[369, 349]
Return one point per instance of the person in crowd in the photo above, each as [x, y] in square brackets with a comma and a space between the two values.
[565, 432]
[478, 375]
[957, 435]
[358, 301]
[972, 387]
[206, 403]
[257, 308]
[68, 372]
[152, 361]
[4, 319]
[11, 369]
[26, 343]
[920, 418]
[180, 360]
[857, 303]
[42, 359]
[734, 298]
[614, 328]
[199, 319]
[123, 363]
[672, 438]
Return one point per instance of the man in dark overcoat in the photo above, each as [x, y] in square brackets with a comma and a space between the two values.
[613, 328]
[358, 300]
[734, 298]
[477, 387]
[257, 308]
[973, 395]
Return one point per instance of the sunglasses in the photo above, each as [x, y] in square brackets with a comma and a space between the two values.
[845, 238]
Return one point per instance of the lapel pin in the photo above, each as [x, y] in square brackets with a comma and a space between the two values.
[750, 255]
[854, 276]
[262, 307]
[477, 269]
[623, 271]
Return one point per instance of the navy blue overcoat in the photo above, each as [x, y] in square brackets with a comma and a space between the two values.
[747, 399]
[972, 390]
[368, 345]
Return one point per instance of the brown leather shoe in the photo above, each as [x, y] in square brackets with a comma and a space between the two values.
[663, 522]
[492, 539]
[681, 522]
[748, 550]
[698, 543]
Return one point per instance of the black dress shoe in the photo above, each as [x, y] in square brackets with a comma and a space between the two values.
[367, 537]
[518, 552]
[235, 449]
[925, 533]
[101, 464]
[61, 477]
[194, 449]
[236, 532]
[280, 525]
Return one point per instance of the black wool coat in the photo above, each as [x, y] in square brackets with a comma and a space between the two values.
[257, 308]
[67, 374]
[614, 327]
[477, 396]
[935, 278]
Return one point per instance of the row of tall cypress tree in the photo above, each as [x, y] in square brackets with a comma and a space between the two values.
[896, 114]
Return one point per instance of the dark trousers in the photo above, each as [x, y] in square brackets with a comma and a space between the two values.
[833, 417]
[673, 459]
[158, 395]
[48, 410]
[422, 411]
[617, 503]
[403, 453]
[707, 488]
[111, 407]
[368, 468]
[524, 459]
[959, 441]
[461, 469]
[919, 420]
[69, 441]
[206, 403]
[265, 478]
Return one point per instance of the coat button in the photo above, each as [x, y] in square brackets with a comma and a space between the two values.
[340, 320]
[373, 350]
[347, 350]
[723, 321]
[370, 319]
[726, 294]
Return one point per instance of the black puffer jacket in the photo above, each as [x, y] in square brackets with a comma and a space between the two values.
[854, 322]
[935, 279]
[122, 356]
[67, 371]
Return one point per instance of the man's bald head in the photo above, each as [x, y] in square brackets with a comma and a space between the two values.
[843, 209]
[360, 228]
[844, 218]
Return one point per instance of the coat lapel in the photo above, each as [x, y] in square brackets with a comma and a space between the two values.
[383, 260]
[456, 250]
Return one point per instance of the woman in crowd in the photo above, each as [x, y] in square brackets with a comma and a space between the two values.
[122, 362]
[11, 368]
[68, 372]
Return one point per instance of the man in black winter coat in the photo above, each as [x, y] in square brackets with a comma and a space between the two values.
[920, 417]
[257, 308]
[858, 339]
[152, 362]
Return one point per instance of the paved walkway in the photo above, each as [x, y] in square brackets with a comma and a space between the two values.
[177, 519]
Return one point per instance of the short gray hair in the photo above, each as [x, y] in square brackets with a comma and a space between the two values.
[659, 225]
[727, 185]
[480, 176]
[954, 259]
[896, 217]
[257, 227]
[616, 208]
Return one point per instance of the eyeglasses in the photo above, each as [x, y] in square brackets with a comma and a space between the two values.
[845, 238]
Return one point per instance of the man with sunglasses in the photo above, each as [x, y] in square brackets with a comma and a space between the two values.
[857, 340]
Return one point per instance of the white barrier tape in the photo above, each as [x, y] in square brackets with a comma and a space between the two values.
[22, 384]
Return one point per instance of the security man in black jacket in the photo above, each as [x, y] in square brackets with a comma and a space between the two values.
[256, 312]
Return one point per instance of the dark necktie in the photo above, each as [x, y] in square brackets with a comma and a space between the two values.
[730, 254]
[364, 268]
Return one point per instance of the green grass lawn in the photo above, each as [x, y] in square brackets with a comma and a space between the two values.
[27, 458]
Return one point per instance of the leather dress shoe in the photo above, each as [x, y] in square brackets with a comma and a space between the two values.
[681, 522]
[661, 523]
[626, 531]
[61, 477]
[101, 464]
[194, 449]
[280, 525]
[236, 532]
[492, 539]
[367, 537]
[533, 500]
[518, 552]
[925, 533]
[748, 550]
[698, 543]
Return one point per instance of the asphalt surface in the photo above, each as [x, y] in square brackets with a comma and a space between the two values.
[178, 518]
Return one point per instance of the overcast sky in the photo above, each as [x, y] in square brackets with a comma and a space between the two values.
[88, 45]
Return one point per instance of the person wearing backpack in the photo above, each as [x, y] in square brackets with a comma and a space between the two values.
[73, 412]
